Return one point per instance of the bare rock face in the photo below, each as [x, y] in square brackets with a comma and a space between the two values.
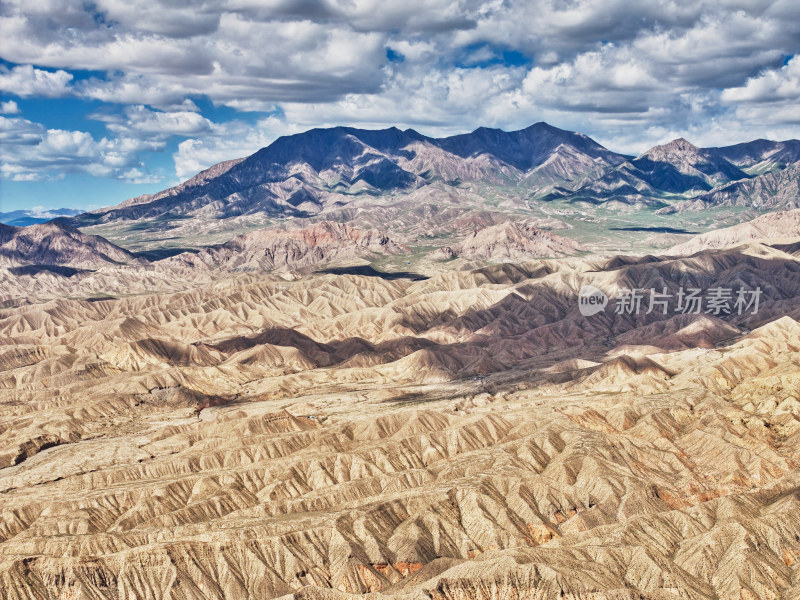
[57, 244]
[761, 156]
[508, 241]
[470, 435]
[777, 226]
[281, 249]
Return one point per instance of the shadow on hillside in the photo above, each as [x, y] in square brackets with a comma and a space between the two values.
[54, 269]
[162, 253]
[655, 230]
[370, 271]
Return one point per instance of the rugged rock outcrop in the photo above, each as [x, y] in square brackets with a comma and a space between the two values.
[508, 242]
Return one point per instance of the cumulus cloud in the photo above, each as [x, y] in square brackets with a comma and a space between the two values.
[126, 88]
[769, 86]
[25, 80]
[139, 120]
[9, 108]
[29, 151]
[176, 20]
[227, 141]
[19, 132]
[413, 16]
[257, 53]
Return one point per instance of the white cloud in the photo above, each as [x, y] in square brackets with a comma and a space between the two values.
[136, 175]
[19, 132]
[769, 86]
[9, 108]
[227, 141]
[140, 121]
[368, 15]
[25, 80]
[179, 20]
[128, 88]
[252, 105]
[29, 151]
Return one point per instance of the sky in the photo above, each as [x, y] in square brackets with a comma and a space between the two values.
[105, 100]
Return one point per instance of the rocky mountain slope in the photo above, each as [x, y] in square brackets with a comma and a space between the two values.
[307, 173]
[470, 435]
[680, 166]
[775, 189]
[760, 156]
[508, 242]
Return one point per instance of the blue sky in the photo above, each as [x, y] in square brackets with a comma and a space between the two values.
[102, 102]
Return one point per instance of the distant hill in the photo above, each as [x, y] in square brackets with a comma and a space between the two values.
[23, 218]
[276, 249]
[56, 243]
[508, 242]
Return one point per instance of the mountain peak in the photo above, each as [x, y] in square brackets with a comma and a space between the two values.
[681, 144]
[677, 149]
[679, 166]
[484, 129]
[678, 145]
[544, 126]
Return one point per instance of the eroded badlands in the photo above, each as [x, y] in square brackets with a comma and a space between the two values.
[470, 435]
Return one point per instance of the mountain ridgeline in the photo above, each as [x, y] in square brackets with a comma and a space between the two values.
[322, 170]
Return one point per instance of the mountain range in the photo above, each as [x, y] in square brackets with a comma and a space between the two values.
[23, 218]
[322, 170]
[347, 195]
[432, 193]
[308, 173]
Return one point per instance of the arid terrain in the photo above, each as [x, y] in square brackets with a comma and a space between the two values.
[399, 300]
[380, 365]
[465, 435]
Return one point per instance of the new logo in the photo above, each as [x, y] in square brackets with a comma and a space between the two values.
[591, 300]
